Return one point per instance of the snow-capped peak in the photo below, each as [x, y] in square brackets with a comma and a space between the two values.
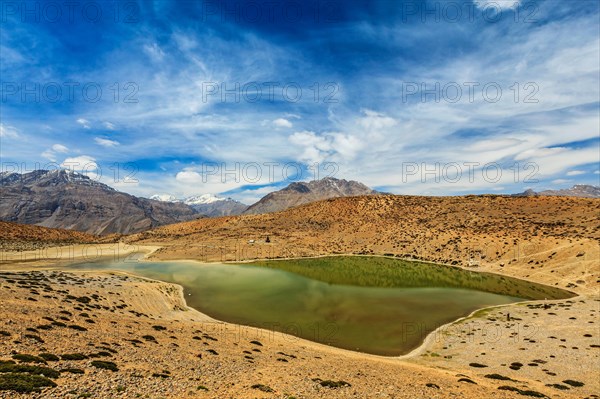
[164, 198]
[194, 200]
[202, 199]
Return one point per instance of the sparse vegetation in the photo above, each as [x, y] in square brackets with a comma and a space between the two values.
[7, 367]
[331, 383]
[25, 358]
[49, 357]
[524, 392]
[24, 383]
[74, 356]
[261, 387]
[105, 365]
[574, 383]
[498, 377]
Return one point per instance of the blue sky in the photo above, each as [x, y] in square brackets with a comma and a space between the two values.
[239, 98]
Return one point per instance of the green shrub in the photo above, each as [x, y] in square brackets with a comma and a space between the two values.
[498, 377]
[72, 371]
[24, 383]
[263, 388]
[49, 357]
[332, 384]
[477, 365]
[574, 383]
[78, 328]
[105, 365]
[73, 356]
[522, 392]
[25, 358]
[7, 367]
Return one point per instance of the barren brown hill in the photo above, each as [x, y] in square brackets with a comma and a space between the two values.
[548, 239]
[21, 236]
[299, 193]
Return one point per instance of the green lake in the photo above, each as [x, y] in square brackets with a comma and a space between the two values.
[375, 305]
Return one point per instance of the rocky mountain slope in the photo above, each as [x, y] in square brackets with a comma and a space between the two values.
[207, 204]
[578, 190]
[300, 193]
[69, 200]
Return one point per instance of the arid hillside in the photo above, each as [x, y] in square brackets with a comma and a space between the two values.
[549, 239]
[15, 237]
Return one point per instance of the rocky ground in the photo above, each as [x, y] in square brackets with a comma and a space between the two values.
[116, 336]
[552, 344]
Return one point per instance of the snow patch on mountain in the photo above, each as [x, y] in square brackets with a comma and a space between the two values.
[193, 200]
[203, 199]
[164, 198]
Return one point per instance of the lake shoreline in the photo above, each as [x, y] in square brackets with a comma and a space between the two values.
[147, 251]
[420, 360]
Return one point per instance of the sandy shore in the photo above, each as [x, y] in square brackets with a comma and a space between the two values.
[71, 253]
[195, 356]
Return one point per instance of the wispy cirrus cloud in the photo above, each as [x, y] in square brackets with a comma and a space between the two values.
[104, 142]
[8, 131]
[354, 110]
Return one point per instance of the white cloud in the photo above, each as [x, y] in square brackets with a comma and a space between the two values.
[81, 163]
[332, 147]
[106, 142]
[188, 177]
[8, 131]
[154, 51]
[109, 125]
[84, 122]
[49, 155]
[282, 123]
[197, 181]
[575, 172]
[496, 5]
[249, 197]
[373, 122]
[51, 152]
[377, 140]
[560, 181]
[495, 144]
[540, 153]
[59, 148]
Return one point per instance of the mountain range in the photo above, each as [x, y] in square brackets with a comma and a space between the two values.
[578, 190]
[70, 200]
[207, 204]
[295, 194]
